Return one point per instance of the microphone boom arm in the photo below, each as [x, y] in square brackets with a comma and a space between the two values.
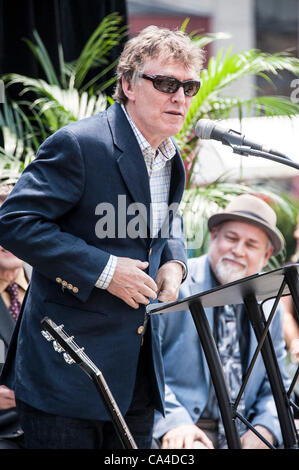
[244, 150]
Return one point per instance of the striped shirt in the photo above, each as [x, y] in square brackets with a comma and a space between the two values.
[158, 164]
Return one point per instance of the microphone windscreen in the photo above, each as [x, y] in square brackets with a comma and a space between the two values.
[204, 128]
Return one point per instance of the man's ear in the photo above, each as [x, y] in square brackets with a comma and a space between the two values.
[214, 233]
[128, 89]
[267, 255]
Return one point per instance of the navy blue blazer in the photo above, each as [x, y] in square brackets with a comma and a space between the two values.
[49, 221]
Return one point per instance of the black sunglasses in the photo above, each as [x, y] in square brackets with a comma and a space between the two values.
[172, 84]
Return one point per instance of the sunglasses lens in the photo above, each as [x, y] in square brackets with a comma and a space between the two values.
[171, 85]
[191, 88]
[166, 84]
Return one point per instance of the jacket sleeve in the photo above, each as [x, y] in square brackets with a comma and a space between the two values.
[175, 415]
[30, 217]
[175, 248]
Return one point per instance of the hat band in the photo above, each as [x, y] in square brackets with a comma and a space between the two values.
[252, 214]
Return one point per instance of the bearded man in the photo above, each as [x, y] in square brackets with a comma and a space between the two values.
[243, 237]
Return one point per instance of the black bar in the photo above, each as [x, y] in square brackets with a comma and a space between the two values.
[285, 416]
[215, 367]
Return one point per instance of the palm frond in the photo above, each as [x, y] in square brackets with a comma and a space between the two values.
[69, 103]
[223, 70]
[221, 108]
[60, 98]
[94, 54]
[203, 40]
[17, 149]
[41, 54]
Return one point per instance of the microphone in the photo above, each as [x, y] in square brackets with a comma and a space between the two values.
[207, 129]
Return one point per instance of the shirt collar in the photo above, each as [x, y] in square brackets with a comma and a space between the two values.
[166, 149]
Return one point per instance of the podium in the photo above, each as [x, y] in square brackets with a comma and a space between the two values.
[252, 291]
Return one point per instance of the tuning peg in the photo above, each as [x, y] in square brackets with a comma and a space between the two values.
[59, 328]
[57, 347]
[47, 335]
[68, 358]
[69, 339]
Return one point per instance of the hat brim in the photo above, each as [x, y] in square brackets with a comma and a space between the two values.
[274, 237]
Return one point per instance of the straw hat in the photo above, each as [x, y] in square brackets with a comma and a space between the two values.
[253, 210]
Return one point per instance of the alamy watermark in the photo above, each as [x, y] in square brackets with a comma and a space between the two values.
[136, 220]
[132, 220]
[294, 97]
[2, 92]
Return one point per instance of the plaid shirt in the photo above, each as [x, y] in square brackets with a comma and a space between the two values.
[158, 164]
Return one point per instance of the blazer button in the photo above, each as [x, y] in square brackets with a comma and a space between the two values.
[75, 290]
[70, 286]
[64, 283]
[59, 280]
[140, 330]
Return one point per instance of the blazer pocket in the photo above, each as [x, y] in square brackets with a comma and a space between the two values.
[55, 306]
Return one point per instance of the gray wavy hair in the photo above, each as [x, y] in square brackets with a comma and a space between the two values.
[153, 42]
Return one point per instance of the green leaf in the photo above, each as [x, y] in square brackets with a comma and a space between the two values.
[43, 58]
[223, 70]
[99, 45]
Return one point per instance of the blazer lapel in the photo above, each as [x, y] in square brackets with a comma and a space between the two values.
[177, 183]
[130, 159]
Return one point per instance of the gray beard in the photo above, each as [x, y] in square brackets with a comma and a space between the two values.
[226, 273]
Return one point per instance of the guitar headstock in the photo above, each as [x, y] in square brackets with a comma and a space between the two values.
[65, 344]
[72, 353]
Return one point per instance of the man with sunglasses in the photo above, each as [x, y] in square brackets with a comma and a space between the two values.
[96, 264]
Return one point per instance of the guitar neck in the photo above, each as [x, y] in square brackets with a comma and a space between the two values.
[117, 418]
[73, 353]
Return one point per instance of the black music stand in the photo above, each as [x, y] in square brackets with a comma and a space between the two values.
[252, 291]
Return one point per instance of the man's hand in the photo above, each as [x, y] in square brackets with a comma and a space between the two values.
[184, 436]
[169, 279]
[131, 284]
[250, 441]
[7, 398]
